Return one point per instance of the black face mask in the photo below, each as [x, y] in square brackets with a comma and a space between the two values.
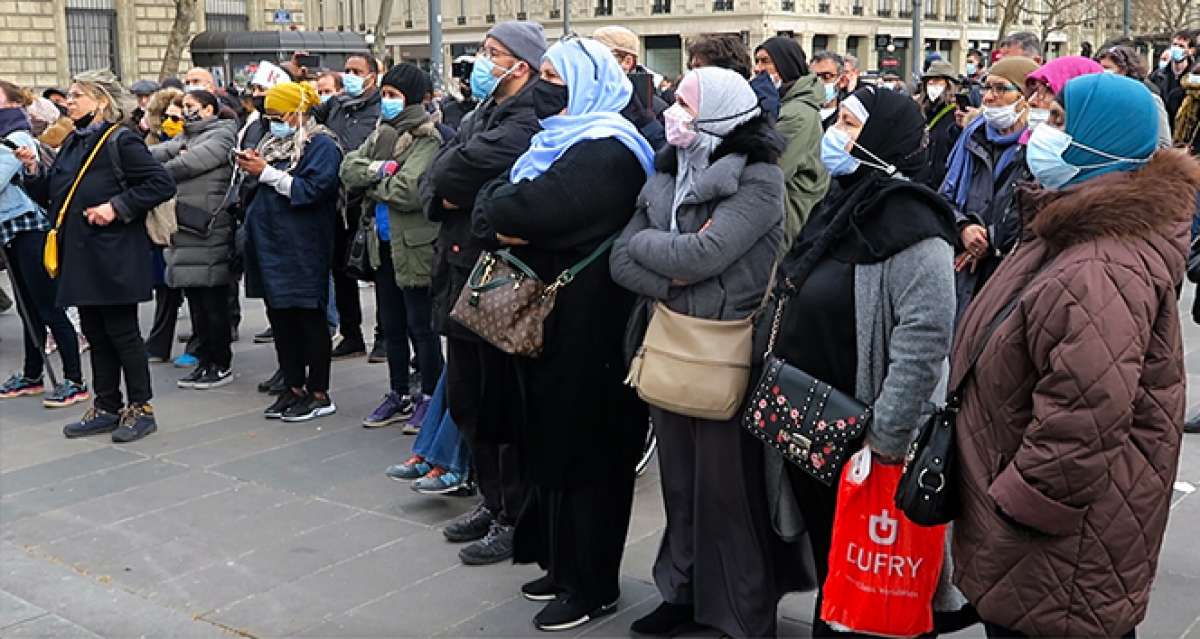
[549, 99]
[82, 123]
[260, 103]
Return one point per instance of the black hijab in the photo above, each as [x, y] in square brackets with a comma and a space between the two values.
[869, 216]
[788, 57]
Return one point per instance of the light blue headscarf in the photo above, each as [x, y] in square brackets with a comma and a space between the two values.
[597, 90]
[1113, 114]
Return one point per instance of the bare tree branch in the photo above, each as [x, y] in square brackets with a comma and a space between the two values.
[181, 29]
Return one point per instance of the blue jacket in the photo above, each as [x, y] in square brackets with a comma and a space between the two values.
[14, 201]
[289, 241]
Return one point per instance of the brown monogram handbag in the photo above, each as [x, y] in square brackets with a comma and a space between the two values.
[506, 304]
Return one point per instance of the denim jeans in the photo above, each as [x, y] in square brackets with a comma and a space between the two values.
[439, 442]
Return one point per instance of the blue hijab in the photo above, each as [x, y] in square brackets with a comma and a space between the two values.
[597, 90]
[1109, 113]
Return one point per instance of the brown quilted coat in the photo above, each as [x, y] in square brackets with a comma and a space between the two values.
[1070, 434]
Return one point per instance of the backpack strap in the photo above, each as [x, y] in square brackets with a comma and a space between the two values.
[114, 156]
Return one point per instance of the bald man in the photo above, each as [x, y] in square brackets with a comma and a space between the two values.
[198, 79]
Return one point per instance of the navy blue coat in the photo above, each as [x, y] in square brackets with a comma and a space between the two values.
[289, 242]
[102, 265]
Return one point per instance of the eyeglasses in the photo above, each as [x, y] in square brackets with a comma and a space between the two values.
[827, 76]
[75, 95]
[492, 52]
[999, 89]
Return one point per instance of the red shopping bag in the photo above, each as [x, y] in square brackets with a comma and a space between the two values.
[883, 569]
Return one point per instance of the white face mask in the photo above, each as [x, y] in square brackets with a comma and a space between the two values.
[1044, 156]
[1002, 118]
[1038, 117]
[935, 91]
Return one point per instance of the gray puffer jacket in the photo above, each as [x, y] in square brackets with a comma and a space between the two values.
[199, 161]
[726, 265]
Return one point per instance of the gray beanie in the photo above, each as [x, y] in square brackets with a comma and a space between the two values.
[525, 39]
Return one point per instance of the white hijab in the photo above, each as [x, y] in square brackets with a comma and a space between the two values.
[723, 101]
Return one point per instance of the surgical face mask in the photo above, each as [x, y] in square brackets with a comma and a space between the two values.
[834, 156]
[192, 88]
[890, 86]
[483, 83]
[935, 91]
[676, 120]
[830, 92]
[1178, 54]
[1110, 70]
[1002, 118]
[1038, 117]
[1044, 155]
[390, 107]
[353, 84]
[1162, 64]
[325, 98]
[971, 68]
[282, 130]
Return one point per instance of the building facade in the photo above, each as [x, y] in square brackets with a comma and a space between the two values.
[44, 42]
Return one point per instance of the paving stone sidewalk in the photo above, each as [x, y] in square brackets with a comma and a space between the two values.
[225, 524]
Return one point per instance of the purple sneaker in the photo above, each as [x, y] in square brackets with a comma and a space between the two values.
[420, 409]
[394, 408]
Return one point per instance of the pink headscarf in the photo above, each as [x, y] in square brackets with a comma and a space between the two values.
[1057, 72]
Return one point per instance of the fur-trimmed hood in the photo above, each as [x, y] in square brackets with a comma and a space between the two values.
[756, 139]
[1149, 202]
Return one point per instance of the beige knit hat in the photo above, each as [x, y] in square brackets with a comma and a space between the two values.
[619, 39]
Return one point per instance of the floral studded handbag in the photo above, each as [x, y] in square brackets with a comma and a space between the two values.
[506, 304]
[812, 424]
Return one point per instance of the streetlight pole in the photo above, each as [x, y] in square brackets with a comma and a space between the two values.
[1128, 18]
[566, 17]
[918, 43]
[435, 42]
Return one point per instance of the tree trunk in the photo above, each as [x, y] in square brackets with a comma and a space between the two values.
[185, 12]
[379, 48]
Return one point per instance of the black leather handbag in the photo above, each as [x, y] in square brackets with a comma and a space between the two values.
[928, 489]
[813, 425]
[358, 256]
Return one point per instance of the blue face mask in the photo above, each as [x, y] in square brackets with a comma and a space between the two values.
[1044, 155]
[282, 130]
[1178, 54]
[483, 83]
[971, 68]
[391, 107]
[325, 98]
[353, 84]
[834, 155]
[830, 92]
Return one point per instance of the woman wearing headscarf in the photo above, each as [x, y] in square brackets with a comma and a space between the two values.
[1126, 61]
[982, 174]
[103, 249]
[868, 298]
[937, 101]
[1069, 432]
[23, 227]
[201, 253]
[1043, 84]
[704, 240]
[386, 170]
[289, 244]
[801, 94]
[581, 430]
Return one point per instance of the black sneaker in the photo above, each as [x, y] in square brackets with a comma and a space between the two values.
[214, 377]
[470, 526]
[309, 407]
[282, 403]
[94, 422]
[378, 352]
[349, 348]
[265, 337]
[541, 589]
[189, 380]
[273, 384]
[136, 422]
[667, 620]
[567, 612]
[495, 547]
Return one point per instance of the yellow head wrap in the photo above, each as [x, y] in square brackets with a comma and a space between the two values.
[291, 97]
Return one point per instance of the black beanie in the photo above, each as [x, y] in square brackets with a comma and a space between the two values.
[407, 79]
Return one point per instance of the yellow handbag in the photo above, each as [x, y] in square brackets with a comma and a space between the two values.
[50, 250]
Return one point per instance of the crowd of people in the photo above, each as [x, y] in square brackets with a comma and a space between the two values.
[1024, 224]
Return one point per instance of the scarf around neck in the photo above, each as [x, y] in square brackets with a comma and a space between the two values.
[291, 148]
[13, 119]
[961, 165]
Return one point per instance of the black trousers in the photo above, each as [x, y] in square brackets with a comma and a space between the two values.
[211, 328]
[483, 424]
[37, 292]
[407, 312]
[1000, 632]
[302, 346]
[345, 288]
[167, 301]
[117, 349]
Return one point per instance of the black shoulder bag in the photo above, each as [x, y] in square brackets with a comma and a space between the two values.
[928, 489]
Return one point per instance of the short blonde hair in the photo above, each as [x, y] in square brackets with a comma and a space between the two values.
[102, 86]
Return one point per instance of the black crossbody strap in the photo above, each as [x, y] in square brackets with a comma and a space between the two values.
[956, 395]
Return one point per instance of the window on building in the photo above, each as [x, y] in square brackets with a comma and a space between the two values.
[92, 35]
[820, 43]
[973, 10]
[883, 8]
[661, 6]
[931, 9]
[857, 9]
[604, 7]
[722, 5]
[226, 15]
[951, 10]
[989, 12]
